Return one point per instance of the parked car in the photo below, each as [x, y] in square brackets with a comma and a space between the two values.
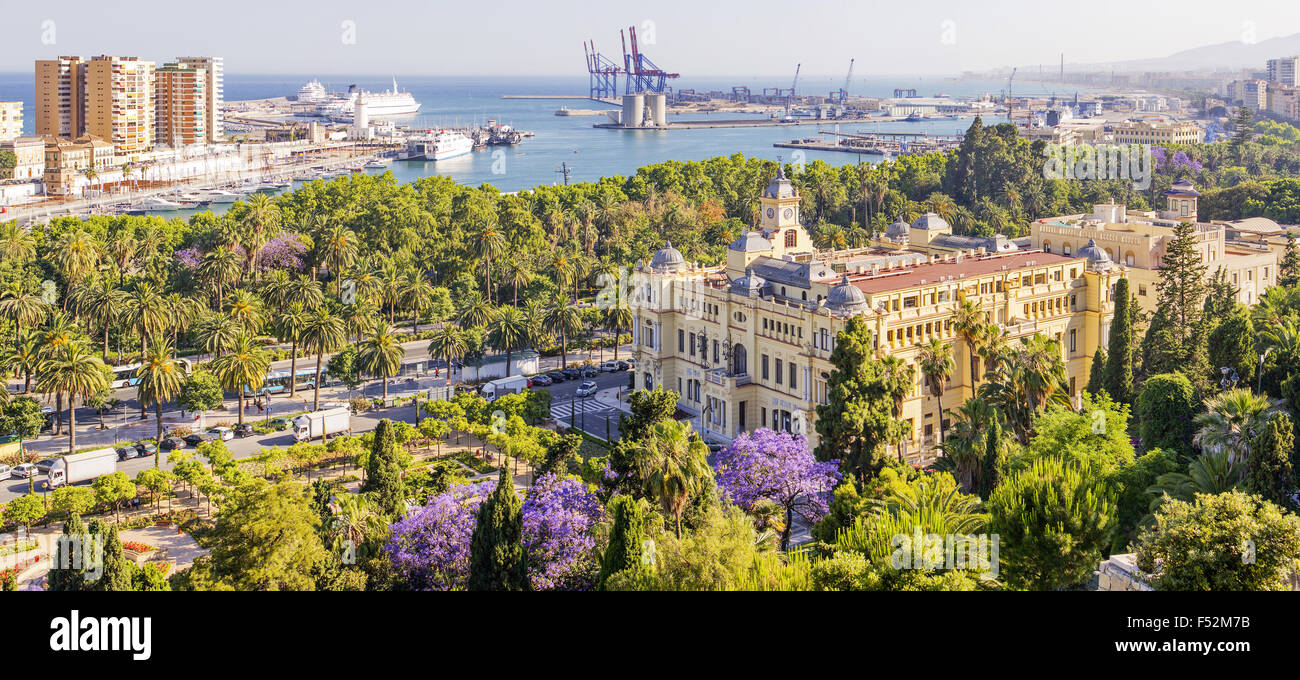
[610, 367]
[244, 430]
[143, 449]
[125, 452]
[173, 443]
[540, 380]
[200, 437]
[631, 363]
[23, 470]
[5, 471]
[587, 389]
[224, 433]
[623, 365]
[278, 424]
[557, 376]
[590, 371]
[572, 373]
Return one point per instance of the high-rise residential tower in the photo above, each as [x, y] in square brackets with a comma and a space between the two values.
[214, 88]
[120, 102]
[181, 102]
[60, 97]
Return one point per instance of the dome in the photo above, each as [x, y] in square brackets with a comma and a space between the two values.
[779, 187]
[931, 221]
[1182, 187]
[1097, 258]
[752, 242]
[897, 230]
[749, 285]
[845, 297]
[667, 259]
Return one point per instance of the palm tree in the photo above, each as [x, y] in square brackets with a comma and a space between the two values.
[289, 325]
[448, 342]
[76, 254]
[123, 250]
[73, 369]
[935, 361]
[517, 275]
[1209, 473]
[23, 358]
[339, 250]
[1027, 377]
[220, 269]
[508, 331]
[964, 449]
[262, 216]
[968, 321]
[416, 294]
[673, 464]
[57, 332]
[243, 369]
[161, 379]
[216, 334]
[563, 321]
[488, 244]
[902, 376]
[381, 354]
[617, 318]
[474, 312]
[17, 244]
[100, 304]
[246, 308]
[22, 308]
[147, 311]
[1231, 422]
[322, 332]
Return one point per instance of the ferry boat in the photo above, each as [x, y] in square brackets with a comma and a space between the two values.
[392, 102]
[439, 147]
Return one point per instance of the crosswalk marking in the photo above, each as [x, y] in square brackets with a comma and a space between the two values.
[564, 410]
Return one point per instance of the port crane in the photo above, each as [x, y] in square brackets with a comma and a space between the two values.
[642, 74]
[842, 97]
[603, 73]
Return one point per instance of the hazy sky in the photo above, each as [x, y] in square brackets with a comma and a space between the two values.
[694, 37]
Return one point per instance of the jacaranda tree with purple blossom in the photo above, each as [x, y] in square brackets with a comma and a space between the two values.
[559, 515]
[764, 465]
[430, 548]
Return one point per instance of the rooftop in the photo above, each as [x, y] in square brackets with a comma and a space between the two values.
[968, 267]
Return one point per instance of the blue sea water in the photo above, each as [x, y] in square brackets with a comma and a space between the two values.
[589, 153]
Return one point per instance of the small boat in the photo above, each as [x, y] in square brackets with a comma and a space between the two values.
[306, 177]
[154, 204]
[380, 163]
[223, 196]
[915, 117]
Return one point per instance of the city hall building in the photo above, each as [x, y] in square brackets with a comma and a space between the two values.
[748, 345]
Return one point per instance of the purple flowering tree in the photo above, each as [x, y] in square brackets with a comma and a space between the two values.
[558, 518]
[285, 251]
[764, 465]
[430, 548]
[190, 258]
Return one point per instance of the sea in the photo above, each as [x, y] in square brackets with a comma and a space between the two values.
[571, 143]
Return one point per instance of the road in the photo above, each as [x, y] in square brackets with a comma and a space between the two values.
[125, 424]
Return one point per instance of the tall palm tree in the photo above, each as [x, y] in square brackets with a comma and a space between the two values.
[617, 318]
[508, 331]
[242, 370]
[968, 321]
[339, 249]
[161, 379]
[72, 369]
[146, 310]
[22, 308]
[23, 358]
[17, 244]
[381, 354]
[964, 449]
[322, 332]
[488, 244]
[475, 312]
[448, 342]
[100, 304]
[1231, 422]
[936, 363]
[902, 377]
[289, 325]
[246, 308]
[517, 274]
[220, 270]
[1028, 377]
[262, 218]
[76, 254]
[673, 463]
[415, 295]
[122, 249]
[562, 321]
[58, 331]
[216, 334]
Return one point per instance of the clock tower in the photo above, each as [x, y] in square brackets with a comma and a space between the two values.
[779, 216]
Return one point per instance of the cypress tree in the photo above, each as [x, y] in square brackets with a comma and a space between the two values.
[993, 458]
[1288, 272]
[496, 551]
[1270, 473]
[858, 418]
[1097, 372]
[1118, 378]
[384, 474]
[119, 574]
[1175, 340]
[68, 572]
[626, 537]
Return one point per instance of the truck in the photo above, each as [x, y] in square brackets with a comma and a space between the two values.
[322, 423]
[493, 389]
[78, 467]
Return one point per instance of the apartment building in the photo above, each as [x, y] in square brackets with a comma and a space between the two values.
[214, 90]
[1137, 240]
[1284, 101]
[748, 344]
[120, 102]
[60, 97]
[29, 156]
[1157, 131]
[181, 105]
[66, 162]
[1283, 71]
[11, 120]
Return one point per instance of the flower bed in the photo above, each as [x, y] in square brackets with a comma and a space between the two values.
[472, 462]
[136, 546]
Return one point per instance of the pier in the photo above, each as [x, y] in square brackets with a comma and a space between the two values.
[877, 143]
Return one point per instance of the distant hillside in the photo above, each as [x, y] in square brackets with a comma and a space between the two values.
[1228, 55]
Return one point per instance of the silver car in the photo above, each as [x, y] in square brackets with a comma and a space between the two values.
[587, 389]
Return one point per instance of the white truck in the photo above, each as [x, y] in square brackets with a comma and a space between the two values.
[500, 387]
[322, 423]
[79, 467]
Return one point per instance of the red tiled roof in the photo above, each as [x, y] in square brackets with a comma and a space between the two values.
[932, 272]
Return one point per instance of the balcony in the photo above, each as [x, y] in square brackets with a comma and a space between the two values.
[727, 381]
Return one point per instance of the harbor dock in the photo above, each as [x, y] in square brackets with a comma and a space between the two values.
[877, 143]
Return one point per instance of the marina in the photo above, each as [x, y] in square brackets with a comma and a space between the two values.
[887, 144]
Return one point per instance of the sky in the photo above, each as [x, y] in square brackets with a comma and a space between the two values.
[695, 37]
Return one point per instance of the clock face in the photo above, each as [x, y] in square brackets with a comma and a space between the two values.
[789, 212]
[771, 212]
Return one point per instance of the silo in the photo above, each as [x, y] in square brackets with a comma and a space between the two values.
[658, 105]
[633, 110]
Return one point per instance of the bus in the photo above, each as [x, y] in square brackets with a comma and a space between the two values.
[125, 376]
[277, 382]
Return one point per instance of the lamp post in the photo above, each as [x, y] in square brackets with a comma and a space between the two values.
[1259, 382]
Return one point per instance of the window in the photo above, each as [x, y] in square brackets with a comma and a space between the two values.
[1066, 249]
[1047, 246]
[765, 377]
[692, 344]
[793, 381]
[779, 365]
[1073, 346]
[681, 340]
[1142, 289]
[791, 238]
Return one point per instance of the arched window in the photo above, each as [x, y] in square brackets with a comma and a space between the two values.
[1129, 259]
[739, 362]
[1067, 249]
[791, 238]
[1047, 246]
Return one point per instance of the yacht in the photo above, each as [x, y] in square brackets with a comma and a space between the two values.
[223, 196]
[380, 163]
[154, 204]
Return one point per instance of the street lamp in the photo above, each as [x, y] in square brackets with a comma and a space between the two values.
[1230, 377]
[1259, 383]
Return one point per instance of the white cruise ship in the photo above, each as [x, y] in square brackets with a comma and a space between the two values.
[380, 105]
[439, 147]
[313, 93]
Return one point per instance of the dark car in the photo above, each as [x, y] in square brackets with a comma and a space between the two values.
[277, 424]
[244, 430]
[173, 443]
[125, 452]
[542, 380]
[572, 373]
[557, 376]
[200, 437]
[144, 449]
[623, 365]
[590, 372]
